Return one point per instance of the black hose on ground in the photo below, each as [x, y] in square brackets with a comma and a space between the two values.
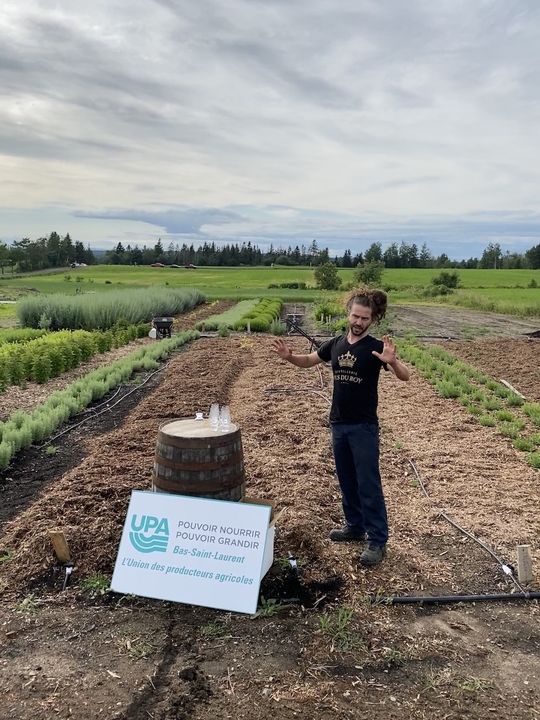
[448, 599]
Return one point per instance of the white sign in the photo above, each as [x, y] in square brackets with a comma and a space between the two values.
[193, 550]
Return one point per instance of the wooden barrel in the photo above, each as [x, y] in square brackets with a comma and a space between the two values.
[193, 459]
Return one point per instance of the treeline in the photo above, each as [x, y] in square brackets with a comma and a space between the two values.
[409, 256]
[404, 255]
[27, 255]
[46, 252]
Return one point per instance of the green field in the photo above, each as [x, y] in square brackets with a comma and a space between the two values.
[495, 290]
[468, 278]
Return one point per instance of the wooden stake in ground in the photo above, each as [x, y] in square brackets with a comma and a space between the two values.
[525, 573]
[60, 545]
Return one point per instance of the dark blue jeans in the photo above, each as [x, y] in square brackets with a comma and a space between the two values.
[356, 452]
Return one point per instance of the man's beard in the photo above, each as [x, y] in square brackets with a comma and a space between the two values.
[358, 331]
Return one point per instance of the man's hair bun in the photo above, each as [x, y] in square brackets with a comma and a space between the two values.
[374, 299]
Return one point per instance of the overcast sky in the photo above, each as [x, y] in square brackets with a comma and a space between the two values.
[347, 121]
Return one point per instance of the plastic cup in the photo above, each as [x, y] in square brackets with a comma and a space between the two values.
[225, 418]
[213, 416]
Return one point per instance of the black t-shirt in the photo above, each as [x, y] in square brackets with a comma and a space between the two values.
[356, 375]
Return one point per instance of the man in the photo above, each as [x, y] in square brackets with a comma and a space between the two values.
[356, 359]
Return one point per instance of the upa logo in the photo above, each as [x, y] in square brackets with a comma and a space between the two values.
[149, 534]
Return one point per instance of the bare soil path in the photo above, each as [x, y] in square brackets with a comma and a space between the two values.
[66, 655]
[448, 321]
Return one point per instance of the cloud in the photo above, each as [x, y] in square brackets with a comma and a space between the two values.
[351, 108]
[176, 222]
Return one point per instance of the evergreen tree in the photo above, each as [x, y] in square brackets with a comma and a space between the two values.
[313, 253]
[67, 250]
[171, 254]
[408, 255]
[19, 253]
[90, 258]
[491, 257]
[159, 255]
[148, 255]
[4, 256]
[53, 250]
[426, 258]
[533, 257]
[391, 256]
[324, 257]
[443, 261]
[80, 252]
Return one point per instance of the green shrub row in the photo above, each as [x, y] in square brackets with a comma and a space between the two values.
[22, 429]
[259, 313]
[20, 335]
[261, 317]
[228, 318]
[100, 312]
[492, 403]
[54, 353]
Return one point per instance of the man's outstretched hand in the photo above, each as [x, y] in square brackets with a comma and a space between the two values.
[388, 354]
[282, 349]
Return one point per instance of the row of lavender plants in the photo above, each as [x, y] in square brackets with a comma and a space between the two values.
[100, 312]
[490, 402]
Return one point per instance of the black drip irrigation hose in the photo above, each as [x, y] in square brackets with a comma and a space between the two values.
[303, 389]
[450, 599]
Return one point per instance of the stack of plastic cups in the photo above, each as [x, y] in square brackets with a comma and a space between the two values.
[224, 418]
[213, 416]
[220, 417]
